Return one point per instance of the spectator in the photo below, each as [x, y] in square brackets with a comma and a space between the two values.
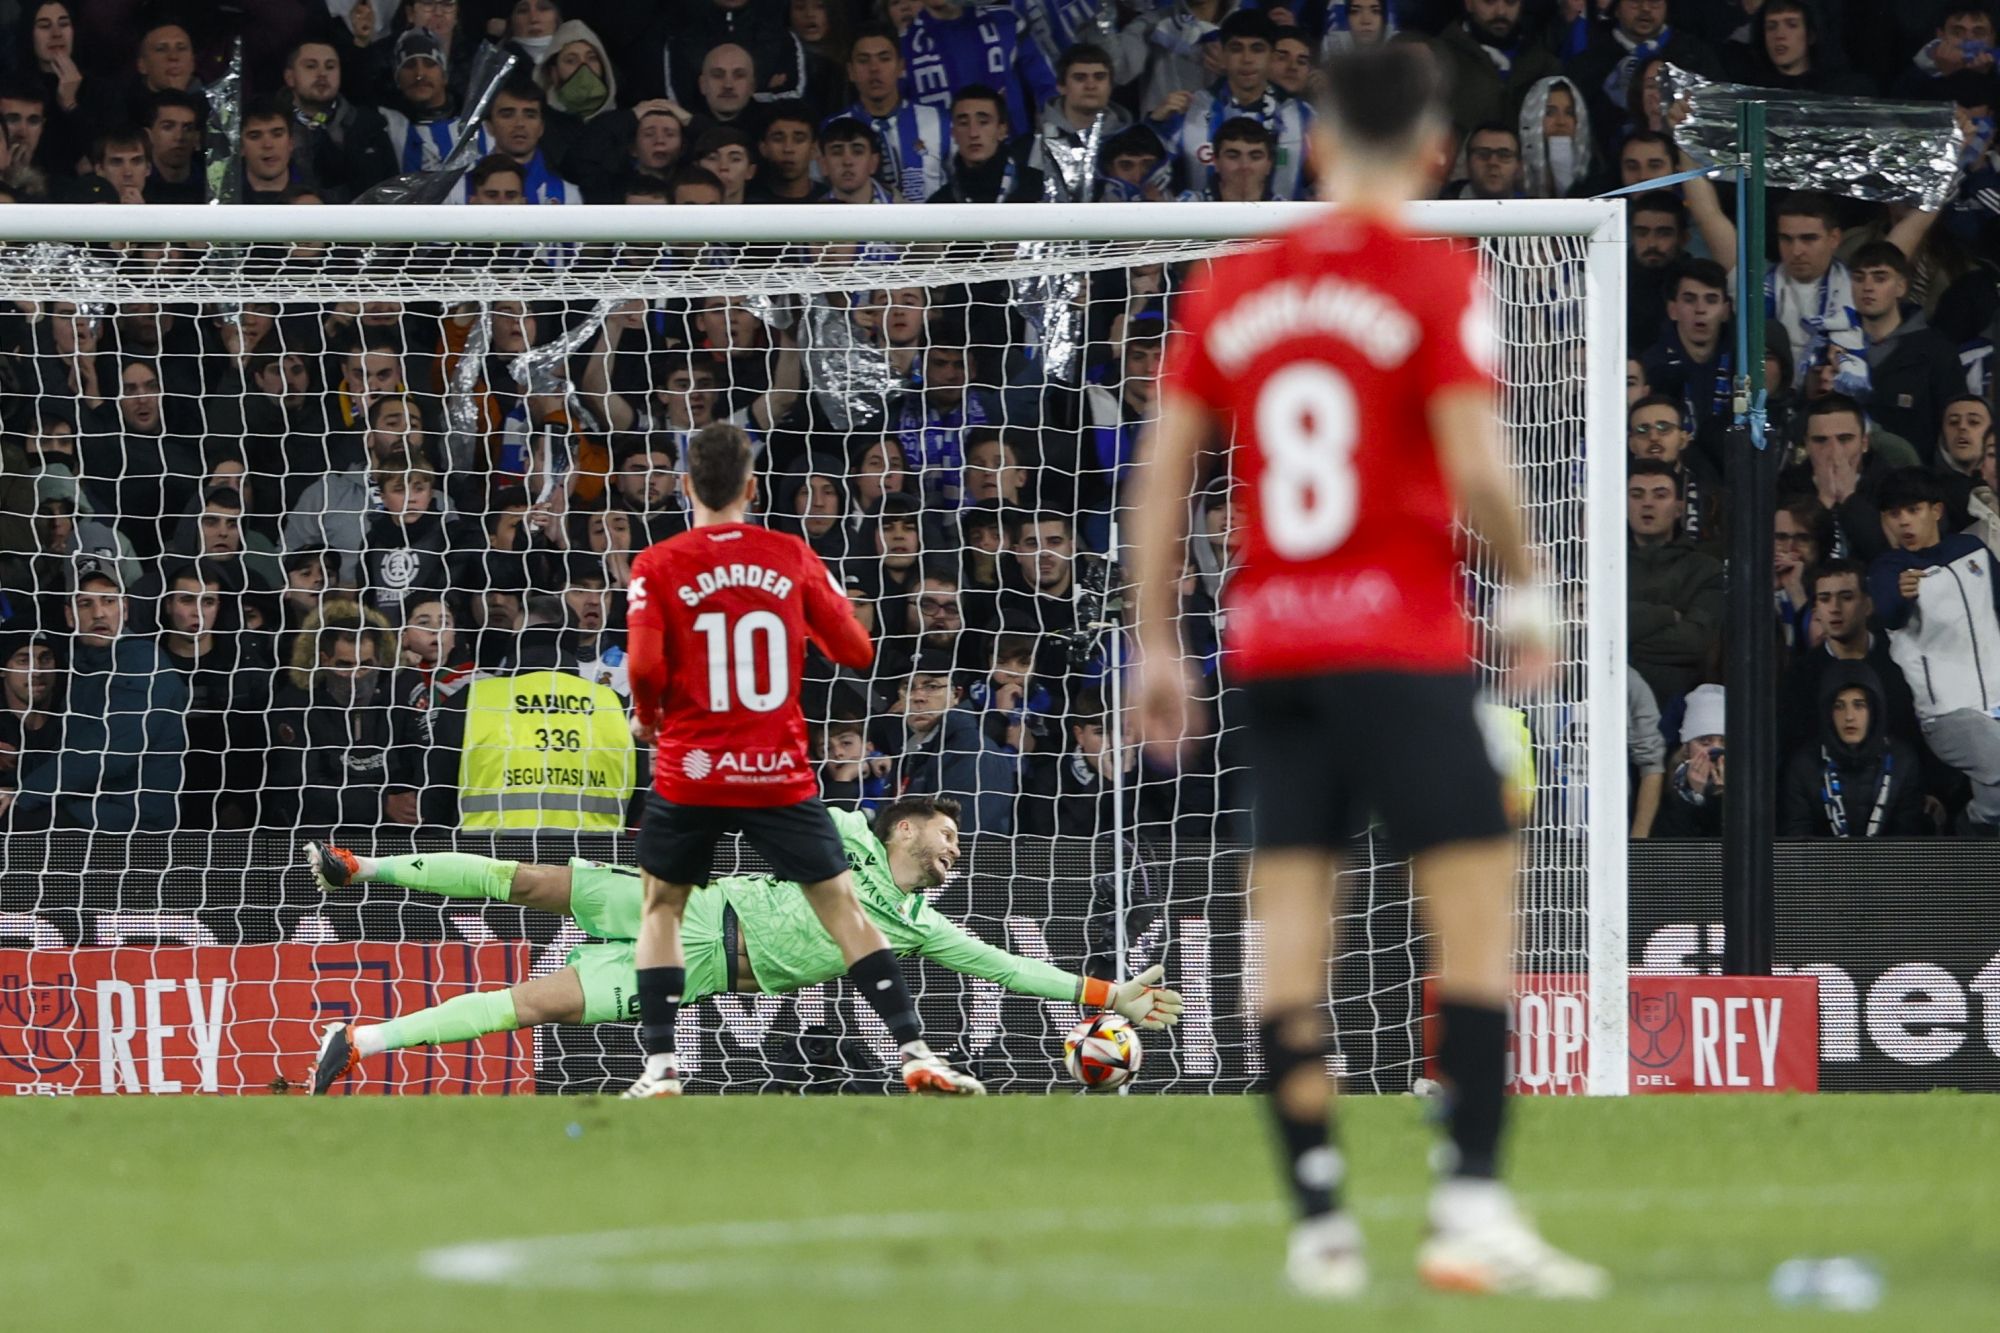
[1964, 41]
[1694, 359]
[727, 87]
[409, 547]
[1016, 710]
[514, 127]
[1658, 226]
[1788, 54]
[1860, 780]
[330, 722]
[984, 169]
[1809, 290]
[1558, 154]
[1490, 70]
[1645, 752]
[1245, 90]
[119, 163]
[731, 155]
[932, 419]
[1172, 49]
[215, 530]
[139, 470]
[1935, 594]
[910, 137]
[422, 118]
[1606, 70]
[785, 160]
[853, 775]
[1912, 369]
[939, 749]
[430, 666]
[1245, 162]
[1040, 597]
[173, 136]
[1692, 806]
[339, 143]
[1800, 538]
[1492, 165]
[1292, 63]
[228, 684]
[54, 73]
[333, 513]
[692, 33]
[1654, 429]
[119, 769]
[31, 707]
[1843, 470]
[598, 645]
[1645, 155]
[850, 157]
[899, 547]
[1841, 617]
[948, 47]
[994, 474]
[1962, 442]
[577, 76]
[878, 470]
[267, 147]
[1082, 105]
[1675, 593]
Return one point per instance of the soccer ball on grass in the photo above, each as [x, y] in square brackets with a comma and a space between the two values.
[1102, 1052]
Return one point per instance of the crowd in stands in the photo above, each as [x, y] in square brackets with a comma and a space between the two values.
[251, 553]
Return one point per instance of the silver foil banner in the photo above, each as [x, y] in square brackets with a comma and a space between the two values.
[90, 270]
[225, 132]
[1861, 147]
[490, 66]
[1053, 299]
[545, 369]
[851, 376]
[463, 428]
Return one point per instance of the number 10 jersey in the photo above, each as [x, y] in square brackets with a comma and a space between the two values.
[718, 620]
[1319, 356]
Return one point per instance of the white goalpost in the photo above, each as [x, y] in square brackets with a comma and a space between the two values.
[251, 397]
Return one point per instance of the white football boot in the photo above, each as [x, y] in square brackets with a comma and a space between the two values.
[1480, 1243]
[1324, 1261]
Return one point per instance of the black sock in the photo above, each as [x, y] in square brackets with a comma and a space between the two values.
[1472, 1056]
[1294, 1042]
[881, 983]
[659, 1004]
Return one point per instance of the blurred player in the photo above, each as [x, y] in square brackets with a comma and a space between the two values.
[749, 933]
[719, 617]
[1348, 366]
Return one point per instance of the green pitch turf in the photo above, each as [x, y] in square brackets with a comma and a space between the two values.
[1006, 1213]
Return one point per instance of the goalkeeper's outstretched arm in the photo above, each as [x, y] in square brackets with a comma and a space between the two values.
[1140, 999]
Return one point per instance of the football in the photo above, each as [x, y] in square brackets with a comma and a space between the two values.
[1102, 1052]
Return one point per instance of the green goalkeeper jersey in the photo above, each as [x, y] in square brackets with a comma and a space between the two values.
[788, 947]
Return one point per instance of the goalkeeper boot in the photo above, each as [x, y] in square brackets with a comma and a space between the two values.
[661, 1078]
[338, 1055]
[333, 867]
[926, 1074]
[1480, 1243]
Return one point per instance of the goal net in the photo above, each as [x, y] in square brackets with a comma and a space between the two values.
[284, 492]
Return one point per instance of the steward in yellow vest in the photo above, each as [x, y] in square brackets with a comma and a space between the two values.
[545, 749]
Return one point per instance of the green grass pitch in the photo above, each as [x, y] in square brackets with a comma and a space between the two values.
[1004, 1213]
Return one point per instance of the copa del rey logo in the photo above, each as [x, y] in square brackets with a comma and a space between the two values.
[739, 765]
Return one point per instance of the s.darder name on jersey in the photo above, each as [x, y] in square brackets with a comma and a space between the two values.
[735, 576]
[1380, 329]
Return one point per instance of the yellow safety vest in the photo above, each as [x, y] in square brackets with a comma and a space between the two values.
[545, 749]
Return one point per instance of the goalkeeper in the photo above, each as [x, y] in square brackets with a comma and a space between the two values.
[748, 933]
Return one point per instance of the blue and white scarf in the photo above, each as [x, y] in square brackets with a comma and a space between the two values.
[1620, 79]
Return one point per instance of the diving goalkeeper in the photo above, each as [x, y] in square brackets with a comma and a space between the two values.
[747, 933]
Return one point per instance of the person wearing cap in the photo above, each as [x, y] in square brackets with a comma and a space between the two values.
[119, 769]
[1187, 125]
[940, 749]
[423, 118]
[1696, 772]
[31, 712]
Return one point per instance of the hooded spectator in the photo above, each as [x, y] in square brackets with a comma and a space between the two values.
[1858, 781]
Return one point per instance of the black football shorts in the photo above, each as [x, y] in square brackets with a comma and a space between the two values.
[1328, 752]
[799, 842]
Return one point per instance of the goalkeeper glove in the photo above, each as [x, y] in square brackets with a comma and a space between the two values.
[1139, 1000]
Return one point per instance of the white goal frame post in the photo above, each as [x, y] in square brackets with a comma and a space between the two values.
[1599, 223]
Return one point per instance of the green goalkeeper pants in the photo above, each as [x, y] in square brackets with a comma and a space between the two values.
[607, 902]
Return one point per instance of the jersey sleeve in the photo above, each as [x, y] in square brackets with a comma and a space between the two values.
[1458, 348]
[1188, 366]
[855, 832]
[645, 639]
[830, 616]
[950, 946]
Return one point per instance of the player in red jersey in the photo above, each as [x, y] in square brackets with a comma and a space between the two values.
[719, 618]
[1348, 369]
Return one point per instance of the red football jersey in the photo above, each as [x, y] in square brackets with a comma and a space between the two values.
[1319, 355]
[719, 617]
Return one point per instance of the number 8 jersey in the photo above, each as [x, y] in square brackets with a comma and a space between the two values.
[1318, 356]
[718, 619]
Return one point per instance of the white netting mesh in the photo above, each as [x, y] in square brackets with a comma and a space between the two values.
[337, 484]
